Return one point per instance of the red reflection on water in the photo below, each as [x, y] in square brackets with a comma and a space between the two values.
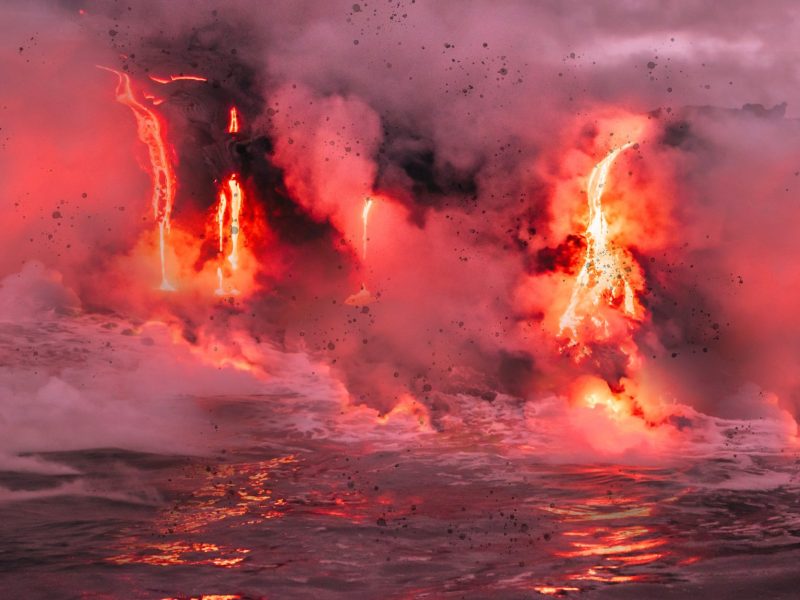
[610, 533]
[554, 590]
[235, 492]
[183, 553]
[621, 543]
[208, 597]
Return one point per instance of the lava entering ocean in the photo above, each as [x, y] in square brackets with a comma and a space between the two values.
[609, 280]
[234, 197]
[445, 286]
[150, 131]
[599, 320]
[604, 275]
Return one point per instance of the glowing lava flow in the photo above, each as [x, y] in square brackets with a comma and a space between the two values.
[171, 78]
[603, 274]
[236, 207]
[233, 123]
[221, 207]
[150, 133]
[363, 296]
[365, 218]
[230, 195]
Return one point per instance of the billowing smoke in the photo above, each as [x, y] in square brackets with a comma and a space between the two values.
[472, 127]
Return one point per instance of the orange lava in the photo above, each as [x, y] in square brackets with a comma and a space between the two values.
[172, 78]
[552, 590]
[231, 199]
[233, 122]
[408, 407]
[365, 219]
[609, 273]
[151, 133]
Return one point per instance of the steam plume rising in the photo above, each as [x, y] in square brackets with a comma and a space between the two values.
[542, 254]
[475, 134]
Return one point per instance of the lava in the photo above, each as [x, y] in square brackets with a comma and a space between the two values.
[408, 407]
[604, 276]
[236, 197]
[365, 219]
[163, 228]
[363, 296]
[172, 78]
[602, 312]
[230, 202]
[234, 192]
[151, 134]
[233, 122]
[155, 100]
[221, 207]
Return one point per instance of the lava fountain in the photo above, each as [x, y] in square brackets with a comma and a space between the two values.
[173, 78]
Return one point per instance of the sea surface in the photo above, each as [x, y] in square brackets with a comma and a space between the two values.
[284, 496]
[437, 516]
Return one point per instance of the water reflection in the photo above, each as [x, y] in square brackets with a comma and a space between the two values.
[180, 553]
[334, 522]
[207, 597]
[612, 528]
[232, 495]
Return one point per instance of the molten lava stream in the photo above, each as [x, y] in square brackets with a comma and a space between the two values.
[230, 196]
[151, 134]
[163, 227]
[365, 219]
[604, 308]
[236, 207]
[603, 277]
[172, 78]
[233, 122]
[223, 203]
[363, 296]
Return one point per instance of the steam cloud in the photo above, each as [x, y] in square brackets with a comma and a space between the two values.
[471, 124]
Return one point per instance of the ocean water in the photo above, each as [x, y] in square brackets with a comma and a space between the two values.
[288, 494]
[432, 517]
